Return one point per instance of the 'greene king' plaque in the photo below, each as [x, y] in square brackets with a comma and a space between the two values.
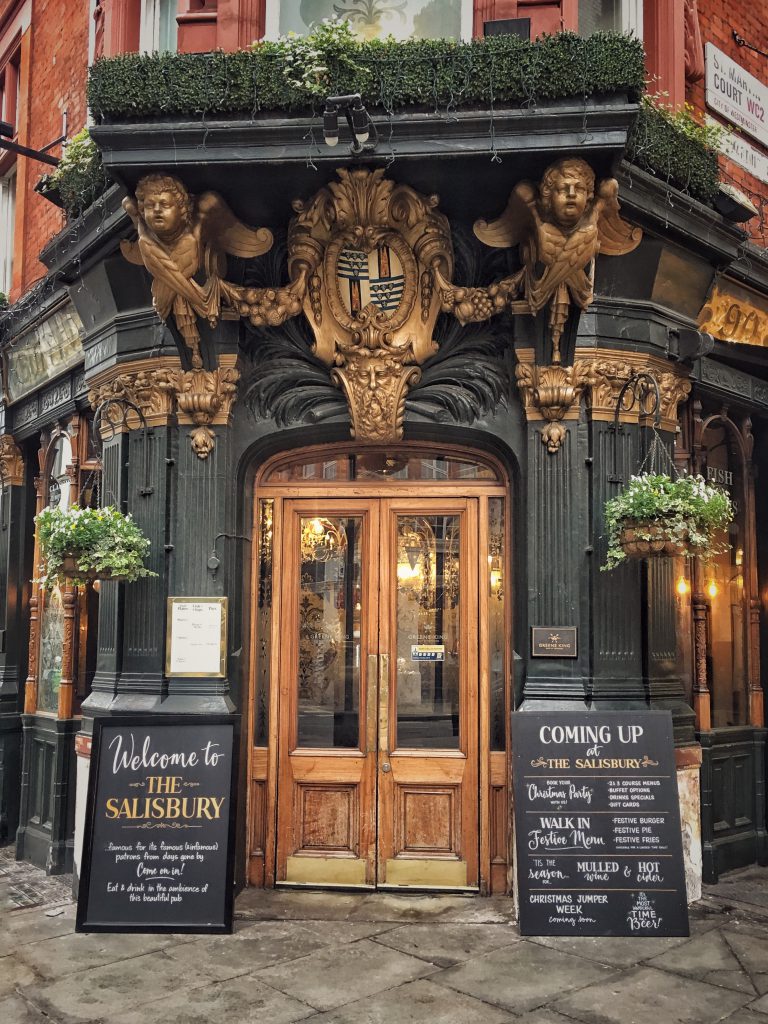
[597, 823]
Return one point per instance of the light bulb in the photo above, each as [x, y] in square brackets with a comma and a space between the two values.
[712, 589]
[682, 586]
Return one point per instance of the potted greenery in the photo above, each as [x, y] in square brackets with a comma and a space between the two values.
[656, 515]
[82, 544]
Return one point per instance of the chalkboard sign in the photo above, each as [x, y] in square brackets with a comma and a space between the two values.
[597, 823]
[158, 854]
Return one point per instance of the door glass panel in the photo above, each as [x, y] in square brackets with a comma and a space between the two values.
[427, 623]
[330, 617]
[496, 617]
[263, 624]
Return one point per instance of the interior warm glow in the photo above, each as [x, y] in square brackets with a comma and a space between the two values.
[712, 589]
[406, 572]
[683, 586]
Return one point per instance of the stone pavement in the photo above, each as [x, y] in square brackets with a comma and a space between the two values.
[330, 958]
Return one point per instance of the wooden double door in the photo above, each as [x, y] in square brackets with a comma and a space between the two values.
[378, 715]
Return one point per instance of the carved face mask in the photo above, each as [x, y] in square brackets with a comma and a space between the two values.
[569, 200]
[162, 212]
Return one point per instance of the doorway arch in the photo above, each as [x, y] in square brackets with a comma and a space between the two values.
[380, 682]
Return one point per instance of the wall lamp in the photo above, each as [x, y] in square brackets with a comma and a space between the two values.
[7, 132]
[358, 119]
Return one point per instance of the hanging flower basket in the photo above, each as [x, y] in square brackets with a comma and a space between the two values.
[79, 545]
[656, 516]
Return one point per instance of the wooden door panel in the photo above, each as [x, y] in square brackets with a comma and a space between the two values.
[327, 780]
[428, 782]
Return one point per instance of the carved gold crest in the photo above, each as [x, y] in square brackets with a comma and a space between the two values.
[371, 301]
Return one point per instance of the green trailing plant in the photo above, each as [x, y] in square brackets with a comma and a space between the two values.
[3, 300]
[80, 544]
[390, 75]
[79, 178]
[676, 146]
[685, 514]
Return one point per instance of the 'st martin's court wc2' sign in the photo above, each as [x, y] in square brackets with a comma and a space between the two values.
[158, 851]
[597, 821]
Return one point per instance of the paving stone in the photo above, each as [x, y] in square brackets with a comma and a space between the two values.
[760, 1006]
[448, 944]
[708, 958]
[521, 977]
[14, 974]
[25, 926]
[282, 905]
[419, 1002]
[745, 1016]
[745, 886]
[751, 949]
[244, 1000]
[382, 906]
[543, 1016]
[264, 944]
[115, 988]
[617, 951]
[58, 957]
[327, 979]
[15, 1009]
[654, 997]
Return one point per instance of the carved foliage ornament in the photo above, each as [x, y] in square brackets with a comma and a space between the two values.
[11, 462]
[199, 397]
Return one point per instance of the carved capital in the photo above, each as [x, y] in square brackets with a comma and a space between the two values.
[205, 398]
[149, 385]
[11, 462]
[551, 393]
[609, 371]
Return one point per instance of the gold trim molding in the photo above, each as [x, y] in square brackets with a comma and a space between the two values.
[162, 390]
[11, 462]
[553, 393]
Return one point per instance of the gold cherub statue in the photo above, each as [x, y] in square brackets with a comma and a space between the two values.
[560, 228]
[181, 235]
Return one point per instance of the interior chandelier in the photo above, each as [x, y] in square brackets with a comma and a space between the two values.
[321, 540]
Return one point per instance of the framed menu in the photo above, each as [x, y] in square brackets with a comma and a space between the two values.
[196, 644]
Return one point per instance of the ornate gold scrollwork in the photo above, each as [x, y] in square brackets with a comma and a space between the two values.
[368, 249]
[560, 226]
[179, 236]
[205, 397]
[551, 392]
[11, 462]
[201, 398]
[729, 315]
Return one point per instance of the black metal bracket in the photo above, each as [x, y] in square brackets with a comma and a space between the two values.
[107, 421]
[641, 391]
[6, 136]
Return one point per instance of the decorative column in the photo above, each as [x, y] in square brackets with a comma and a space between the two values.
[137, 468]
[557, 558]
[12, 543]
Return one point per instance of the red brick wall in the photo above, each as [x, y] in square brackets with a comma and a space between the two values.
[55, 52]
[718, 21]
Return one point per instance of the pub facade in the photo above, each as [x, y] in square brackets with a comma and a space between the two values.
[373, 403]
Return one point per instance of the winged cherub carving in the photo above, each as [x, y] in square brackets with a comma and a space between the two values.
[560, 228]
[181, 239]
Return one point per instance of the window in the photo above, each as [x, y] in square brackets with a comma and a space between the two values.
[158, 26]
[7, 216]
[376, 19]
[610, 16]
[724, 585]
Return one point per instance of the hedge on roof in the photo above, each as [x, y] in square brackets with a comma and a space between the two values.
[389, 74]
[663, 144]
[295, 74]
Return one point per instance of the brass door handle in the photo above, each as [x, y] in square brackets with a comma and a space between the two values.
[371, 682]
[384, 704]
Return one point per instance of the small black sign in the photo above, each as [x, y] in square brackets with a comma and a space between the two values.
[597, 824]
[158, 854]
[553, 642]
